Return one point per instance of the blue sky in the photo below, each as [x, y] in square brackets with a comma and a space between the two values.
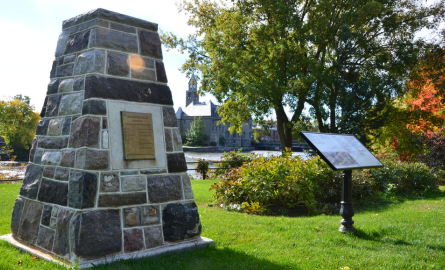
[30, 29]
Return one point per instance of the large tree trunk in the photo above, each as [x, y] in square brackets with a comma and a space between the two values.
[284, 131]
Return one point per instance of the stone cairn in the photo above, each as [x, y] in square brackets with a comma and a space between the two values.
[80, 199]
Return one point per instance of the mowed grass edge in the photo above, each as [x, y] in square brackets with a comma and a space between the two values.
[406, 235]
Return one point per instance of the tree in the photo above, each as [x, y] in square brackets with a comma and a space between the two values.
[195, 134]
[221, 140]
[18, 123]
[345, 60]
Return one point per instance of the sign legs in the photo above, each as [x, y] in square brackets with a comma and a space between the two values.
[346, 210]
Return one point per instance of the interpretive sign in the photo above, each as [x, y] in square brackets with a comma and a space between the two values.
[137, 133]
[341, 151]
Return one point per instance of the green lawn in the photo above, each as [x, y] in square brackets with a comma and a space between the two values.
[407, 235]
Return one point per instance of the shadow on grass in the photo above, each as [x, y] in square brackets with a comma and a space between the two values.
[210, 258]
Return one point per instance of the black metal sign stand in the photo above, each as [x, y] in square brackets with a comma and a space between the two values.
[346, 210]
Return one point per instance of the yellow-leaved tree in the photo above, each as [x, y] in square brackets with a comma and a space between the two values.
[18, 123]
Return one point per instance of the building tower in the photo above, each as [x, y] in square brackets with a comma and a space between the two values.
[192, 93]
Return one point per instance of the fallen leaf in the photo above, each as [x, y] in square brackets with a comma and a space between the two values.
[346, 268]
[20, 263]
[308, 258]
[34, 258]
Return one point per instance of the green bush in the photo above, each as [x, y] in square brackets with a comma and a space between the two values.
[213, 144]
[231, 160]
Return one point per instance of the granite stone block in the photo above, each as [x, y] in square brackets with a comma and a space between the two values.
[89, 62]
[55, 211]
[160, 72]
[43, 111]
[129, 172]
[96, 233]
[105, 139]
[16, 215]
[180, 221]
[87, 159]
[96, 107]
[144, 74]
[31, 181]
[53, 223]
[116, 200]
[164, 188]
[177, 140]
[53, 71]
[32, 151]
[77, 42]
[53, 192]
[52, 142]
[104, 123]
[153, 237]
[133, 240]
[30, 222]
[66, 86]
[60, 61]
[65, 70]
[187, 186]
[133, 183]
[79, 83]
[71, 104]
[153, 171]
[61, 43]
[135, 91]
[117, 64]
[109, 39]
[169, 115]
[46, 215]
[168, 140]
[62, 174]
[87, 25]
[38, 156]
[53, 87]
[132, 217]
[85, 132]
[150, 215]
[51, 158]
[48, 172]
[67, 159]
[82, 189]
[42, 127]
[61, 241]
[66, 126]
[176, 163]
[122, 28]
[150, 44]
[69, 59]
[109, 182]
[45, 238]
[55, 126]
[52, 105]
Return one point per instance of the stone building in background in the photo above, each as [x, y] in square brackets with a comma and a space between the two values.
[209, 115]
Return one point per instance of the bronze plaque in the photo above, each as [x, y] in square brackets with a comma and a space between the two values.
[137, 133]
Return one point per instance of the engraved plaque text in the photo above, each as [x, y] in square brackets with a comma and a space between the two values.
[137, 133]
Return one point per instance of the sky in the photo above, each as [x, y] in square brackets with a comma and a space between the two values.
[30, 29]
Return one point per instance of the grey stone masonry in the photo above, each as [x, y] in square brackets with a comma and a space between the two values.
[80, 200]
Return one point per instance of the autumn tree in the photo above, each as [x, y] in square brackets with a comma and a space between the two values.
[344, 60]
[196, 135]
[18, 123]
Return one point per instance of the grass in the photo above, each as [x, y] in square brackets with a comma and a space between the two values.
[403, 235]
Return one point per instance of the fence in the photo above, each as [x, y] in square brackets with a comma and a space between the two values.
[12, 171]
[204, 169]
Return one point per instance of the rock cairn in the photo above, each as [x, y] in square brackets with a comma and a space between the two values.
[79, 197]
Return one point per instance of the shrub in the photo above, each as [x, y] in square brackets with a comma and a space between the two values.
[203, 167]
[213, 144]
[222, 140]
[231, 160]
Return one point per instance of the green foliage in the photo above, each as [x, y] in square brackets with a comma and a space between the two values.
[203, 167]
[18, 123]
[195, 135]
[222, 140]
[213, 143]
[231, 160]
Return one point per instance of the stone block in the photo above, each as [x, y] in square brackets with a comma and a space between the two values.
[164, 188]
[132, 217]
[67, 159]
[55, 211]
[52, 142]
[133, 240]
[150, 215]
[154, 171]
[77, 42]
[65, 70]
[85, 132]
[144, 74]
[66, 86]
[62, 174]
[180, 221]
[48, 172]
[69, 59]
[55, 126]
[109, 39]
[46, 215]
[133, 183]
[52, 74]
[66, 126]
[97, 107]
[38, 156]
[43, 111]
[53, 192]
[60, 60]
[104, 123]
[31, 181]
[32, 151]
[30, 222]
[79, 83]
[135, 91]
[110, 16]
[168, 140]
[16, 215]
[187, 186]
[89, 62]
[109, 182]
[87, 159]
[129, 172]
[153, 237]
[160, 72]
[51, 158]
[61, 43]
[176, 163]
[45, 238]
[169, 115]
[105, 139]
[53, 223]
[52, 105]
[117, 64]
[122, 28]
[116, 200]
[42, 127]
[150, 44]
[61, 242]
[53, 87]
[87, 25]
[177, 140]
[71, 104]
[96, 233]
[82, 189]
